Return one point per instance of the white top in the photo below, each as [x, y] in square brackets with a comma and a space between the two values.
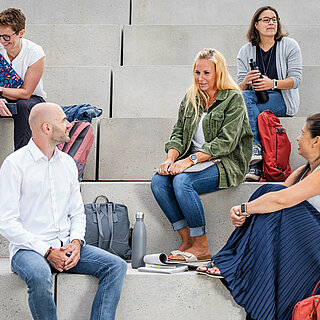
[29, 54]
[40, 200]
[315, 201]
[198, 137]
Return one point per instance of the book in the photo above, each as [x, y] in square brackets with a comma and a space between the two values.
[159, 263]
[162, 269]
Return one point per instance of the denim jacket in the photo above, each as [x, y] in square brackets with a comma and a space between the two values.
[226, 131]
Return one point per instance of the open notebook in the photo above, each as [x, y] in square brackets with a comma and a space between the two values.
[8, 77]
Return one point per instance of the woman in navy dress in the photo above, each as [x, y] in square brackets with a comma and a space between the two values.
[272, 259]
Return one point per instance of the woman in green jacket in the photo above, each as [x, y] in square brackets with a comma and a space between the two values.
[212, 127]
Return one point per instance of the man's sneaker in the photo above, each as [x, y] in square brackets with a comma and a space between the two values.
[253, 175]
[256, 154]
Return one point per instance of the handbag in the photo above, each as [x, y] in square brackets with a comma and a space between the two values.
[307, 309]
[108, 227]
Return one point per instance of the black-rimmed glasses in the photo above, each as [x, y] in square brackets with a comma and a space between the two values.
[6, 37]
[267, 20]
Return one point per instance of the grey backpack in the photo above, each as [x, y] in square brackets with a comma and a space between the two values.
[108, 227]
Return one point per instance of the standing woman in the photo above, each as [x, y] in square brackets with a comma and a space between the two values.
[212, 125]
[27, 59]
[279, 60]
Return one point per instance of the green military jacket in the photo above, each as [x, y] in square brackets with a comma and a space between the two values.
[226, 131]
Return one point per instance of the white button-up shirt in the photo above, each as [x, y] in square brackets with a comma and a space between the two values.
[40, 200]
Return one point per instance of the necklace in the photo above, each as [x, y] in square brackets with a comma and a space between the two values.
[265, 70]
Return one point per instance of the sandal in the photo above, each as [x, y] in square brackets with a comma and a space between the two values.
[214, 274]
[189, 257]
[207, 266]
[174, 253]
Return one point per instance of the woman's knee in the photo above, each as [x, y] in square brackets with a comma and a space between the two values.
[158, 183]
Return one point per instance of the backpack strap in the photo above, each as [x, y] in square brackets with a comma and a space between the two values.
[314, 290]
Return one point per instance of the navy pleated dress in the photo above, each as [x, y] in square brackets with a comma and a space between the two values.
[273, 260]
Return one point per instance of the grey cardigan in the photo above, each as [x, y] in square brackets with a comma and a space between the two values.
[289, 64]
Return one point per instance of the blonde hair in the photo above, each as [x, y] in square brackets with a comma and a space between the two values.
[223, 79]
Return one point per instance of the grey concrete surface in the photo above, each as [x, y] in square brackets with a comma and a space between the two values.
[68, 85]
[4, 247]
[148, 296]
[6, 138]
[137, 196]
[75, 11]
[131, 148]
[220, 12]
[128, 156]
[156, 91]
[179, 44]
[14, 296]
[77, 44]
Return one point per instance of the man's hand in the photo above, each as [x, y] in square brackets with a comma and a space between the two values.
[237, 218]
[4, 111]
[57, 259]
[73, 251]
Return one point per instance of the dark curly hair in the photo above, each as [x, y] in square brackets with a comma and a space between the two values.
[253, 34]
[14, 18]
[313, 125]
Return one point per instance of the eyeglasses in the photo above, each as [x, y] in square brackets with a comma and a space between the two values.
[6, 37]
[267, 20]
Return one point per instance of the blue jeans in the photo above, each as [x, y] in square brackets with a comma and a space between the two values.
[35, 270]
[178, 197]
[275, 104]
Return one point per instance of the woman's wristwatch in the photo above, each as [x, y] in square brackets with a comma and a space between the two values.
[1, 92]
[275, 84]
[243, 209]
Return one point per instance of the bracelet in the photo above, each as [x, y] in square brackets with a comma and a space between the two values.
[48, 253]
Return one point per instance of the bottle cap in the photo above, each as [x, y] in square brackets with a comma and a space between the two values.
[139, 215]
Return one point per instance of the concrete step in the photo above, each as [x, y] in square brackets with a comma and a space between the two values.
[137, 196]
[179, 44]
[134, 87]
[78, 44]
[68, 85]
[6, 137]
[76, 11]
[146, 296]
[218, 13]
[127, 156]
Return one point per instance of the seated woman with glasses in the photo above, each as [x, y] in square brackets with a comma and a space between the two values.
[279, 60]
[212, 125]
[27, 59]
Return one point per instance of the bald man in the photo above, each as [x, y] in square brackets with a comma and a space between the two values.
[42, 215]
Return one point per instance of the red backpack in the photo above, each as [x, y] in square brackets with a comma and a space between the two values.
[276, 148]
[81, 139]
[308, 308]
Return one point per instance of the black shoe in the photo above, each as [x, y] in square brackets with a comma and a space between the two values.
[253, 175]
[256, 154]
